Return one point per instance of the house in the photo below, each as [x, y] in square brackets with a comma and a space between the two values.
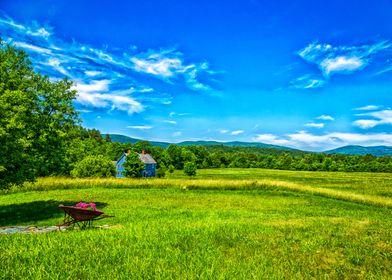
[149, 163]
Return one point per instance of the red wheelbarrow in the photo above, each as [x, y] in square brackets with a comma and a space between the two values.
[80, 216]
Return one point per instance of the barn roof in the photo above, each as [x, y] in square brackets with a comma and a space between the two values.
[147, 159]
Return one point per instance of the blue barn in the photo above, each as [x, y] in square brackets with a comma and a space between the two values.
[149, 163]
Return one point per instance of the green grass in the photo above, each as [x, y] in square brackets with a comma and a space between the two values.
[223, 224]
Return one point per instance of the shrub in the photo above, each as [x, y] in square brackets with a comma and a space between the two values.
[190, 168]
[171, 168]
[94, 166]
[161, 172]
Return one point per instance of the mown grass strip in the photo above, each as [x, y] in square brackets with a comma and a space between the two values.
[44, 184]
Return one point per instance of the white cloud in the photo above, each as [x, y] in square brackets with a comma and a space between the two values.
[91, 95]
[141, 127]
[342, 64]
[33, 30]
[270, 139]
[308, 141]
[40, 32]
[169, 121]
[307, 82]
[315, 125]
[325, 118]
[237, 132]
[94, 86]
[367, 108]
[84, 111]
[342, 59]
[156, 65]
[176, 134]
[223, 131]
[92, 73]
[33, 48]
[383, 117]
[168, 65]
[56, 64]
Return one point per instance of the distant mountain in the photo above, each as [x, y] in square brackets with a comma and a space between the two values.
[360, 150]
[125, 139]
[234, 144]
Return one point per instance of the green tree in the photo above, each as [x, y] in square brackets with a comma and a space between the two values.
[94, 166]
[36, 115]
[175, 154]
[190, 168]
[133, 165]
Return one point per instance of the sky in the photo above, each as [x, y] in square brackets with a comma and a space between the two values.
[312, 75]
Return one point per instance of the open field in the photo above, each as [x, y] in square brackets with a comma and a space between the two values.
[222, 224]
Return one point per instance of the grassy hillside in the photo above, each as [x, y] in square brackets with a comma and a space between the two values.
[223, 224]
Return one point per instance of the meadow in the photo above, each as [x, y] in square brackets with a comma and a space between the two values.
[221, 224]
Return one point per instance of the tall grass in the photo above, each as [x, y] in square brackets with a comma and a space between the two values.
[44, 184]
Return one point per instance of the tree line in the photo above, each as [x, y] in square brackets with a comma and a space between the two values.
[220, 156]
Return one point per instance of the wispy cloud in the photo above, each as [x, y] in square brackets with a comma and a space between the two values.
[341, 59]
[383, 117]
[325, 118]
[169, 121]
[172, 114]
[168, 64]
[315, 125]
[140, 127]
[93, 95]
[308, 141]
[367, 108]
[307, 82]
[271, 139]
[237, 132]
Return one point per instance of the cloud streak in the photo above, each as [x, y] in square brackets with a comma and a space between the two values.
[383, 117]
[169, 65]
[341, 59]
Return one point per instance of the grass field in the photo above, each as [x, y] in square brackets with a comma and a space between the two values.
[222, 224]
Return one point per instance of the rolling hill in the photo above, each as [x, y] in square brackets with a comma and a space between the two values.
[346, 150]
[361, 150]
[125, 139]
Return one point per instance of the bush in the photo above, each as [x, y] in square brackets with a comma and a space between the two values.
[190, 168]
[171, 168]
[94, 166]
[161, 172]
[133, 166]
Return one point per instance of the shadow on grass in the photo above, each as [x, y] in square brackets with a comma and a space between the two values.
[32, 212]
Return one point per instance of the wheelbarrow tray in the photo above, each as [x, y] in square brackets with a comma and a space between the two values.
[80, 216]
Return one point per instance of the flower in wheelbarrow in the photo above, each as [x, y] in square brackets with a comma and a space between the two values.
[92, 205]
[82, 205]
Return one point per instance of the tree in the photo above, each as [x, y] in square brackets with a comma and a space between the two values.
[94, 166]
[36, 115]
[175, 154]
[133, 165]
[190, 168]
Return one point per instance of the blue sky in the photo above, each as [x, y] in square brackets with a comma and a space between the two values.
[312, 75]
